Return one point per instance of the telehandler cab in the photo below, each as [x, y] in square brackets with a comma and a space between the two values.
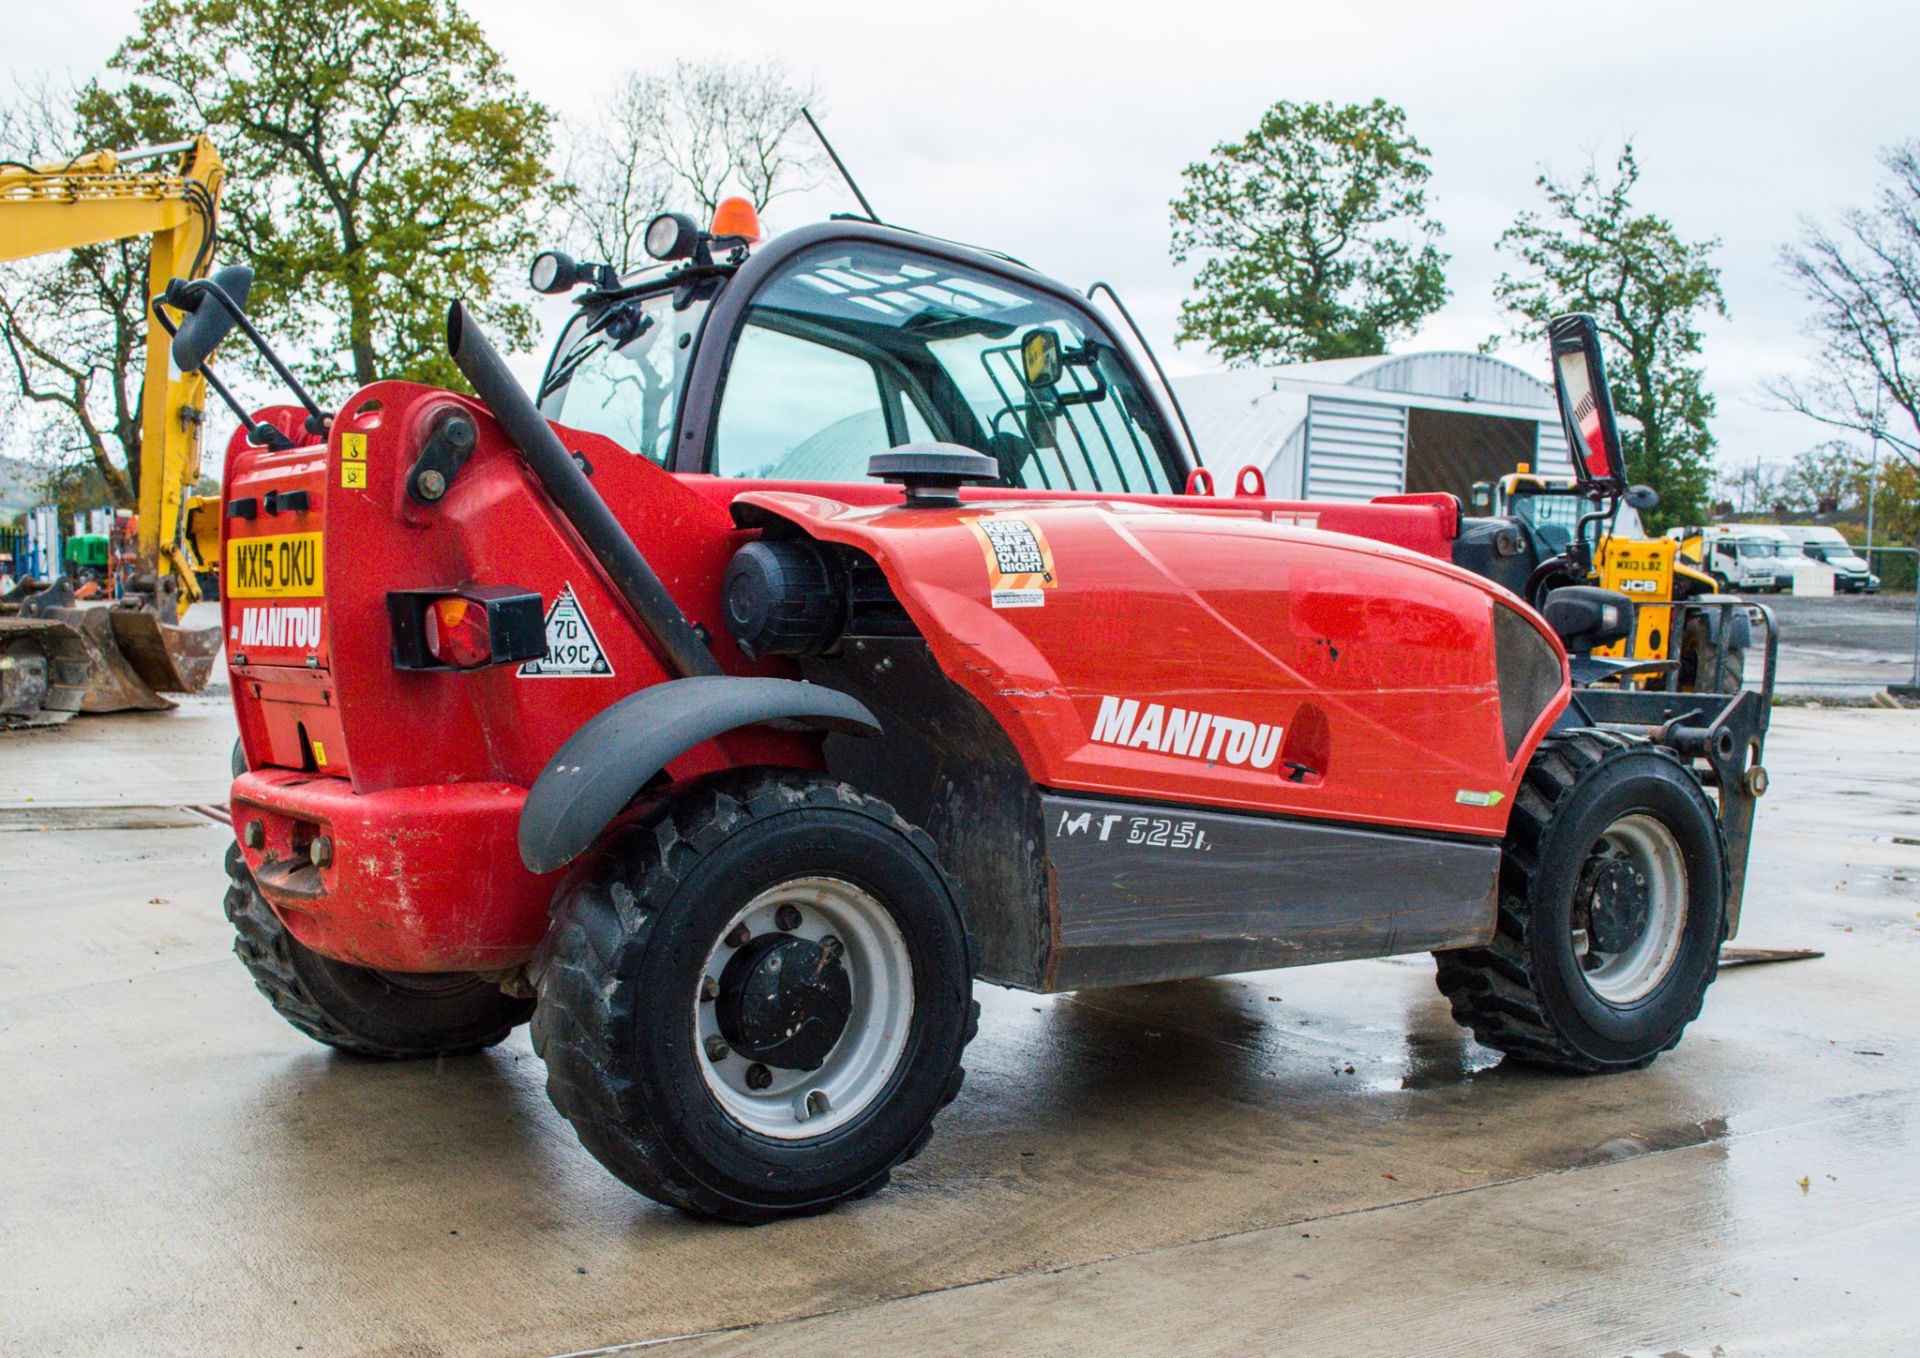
[840, 623]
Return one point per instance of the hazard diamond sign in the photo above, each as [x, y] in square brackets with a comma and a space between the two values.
[573, 651]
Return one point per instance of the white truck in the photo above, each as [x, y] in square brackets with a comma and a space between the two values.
[1742, 558]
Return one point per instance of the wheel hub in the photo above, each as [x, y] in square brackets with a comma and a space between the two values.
[784, 1000]
[1618, 903]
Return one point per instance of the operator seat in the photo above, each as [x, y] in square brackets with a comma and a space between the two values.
[1012, 452]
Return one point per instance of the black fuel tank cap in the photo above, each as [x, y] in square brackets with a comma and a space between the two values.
[933, 473]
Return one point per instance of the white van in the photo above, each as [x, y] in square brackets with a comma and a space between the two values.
[1826, 545]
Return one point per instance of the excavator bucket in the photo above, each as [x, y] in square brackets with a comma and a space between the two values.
[167, 658]
[57, 659]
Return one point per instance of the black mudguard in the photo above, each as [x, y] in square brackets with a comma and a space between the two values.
[607, 761]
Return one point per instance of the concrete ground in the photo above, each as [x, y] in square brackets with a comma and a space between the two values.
[1849, 642]
[1306, 1162]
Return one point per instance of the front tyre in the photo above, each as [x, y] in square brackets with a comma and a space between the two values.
[393, 1015]
[754, 1000]
[1612, 910]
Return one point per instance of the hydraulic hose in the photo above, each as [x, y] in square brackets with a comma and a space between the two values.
[685, 654]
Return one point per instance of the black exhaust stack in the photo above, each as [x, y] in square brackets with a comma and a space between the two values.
[685, 654]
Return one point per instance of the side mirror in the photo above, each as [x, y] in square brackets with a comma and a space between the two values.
[1040, 358]
[1586, 405]
[1643, 498]
[1586, 616]
[1482, 495]
[208, 322]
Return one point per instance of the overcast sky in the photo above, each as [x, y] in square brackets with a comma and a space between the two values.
[1057, 131]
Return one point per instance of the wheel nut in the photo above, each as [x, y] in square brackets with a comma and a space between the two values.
[321, 851]
[758, 1076]
[254, 835]
[717, 1049]
[737, 936]
[709, 989]
[787, 918]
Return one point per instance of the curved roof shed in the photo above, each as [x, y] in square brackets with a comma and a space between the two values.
[1354, 428]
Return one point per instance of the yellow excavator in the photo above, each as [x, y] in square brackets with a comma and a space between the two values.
[56, 656]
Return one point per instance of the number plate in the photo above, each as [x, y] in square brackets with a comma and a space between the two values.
[277, 566]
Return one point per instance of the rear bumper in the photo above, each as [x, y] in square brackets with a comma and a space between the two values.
[419, 878]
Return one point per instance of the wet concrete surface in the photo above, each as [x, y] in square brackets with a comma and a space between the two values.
[1311, 1161]
[1849, 641]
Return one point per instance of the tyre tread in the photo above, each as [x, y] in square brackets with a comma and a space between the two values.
[264, 947]
[1493, 989]
[575, 1024]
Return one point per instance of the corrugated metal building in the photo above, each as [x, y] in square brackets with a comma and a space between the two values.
[1354, 428]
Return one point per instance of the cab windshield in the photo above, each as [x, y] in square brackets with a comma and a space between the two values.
[855, 348]
[1556, 516]
[619, 369]
[1755, 547]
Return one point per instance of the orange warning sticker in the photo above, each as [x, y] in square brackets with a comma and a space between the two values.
[1019, 562]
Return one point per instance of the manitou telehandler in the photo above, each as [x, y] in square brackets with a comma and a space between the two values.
[837, 625]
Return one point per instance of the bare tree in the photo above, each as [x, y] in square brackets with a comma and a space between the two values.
[1753, 487]
[686, 137]
[1863, 279]
[619, 184]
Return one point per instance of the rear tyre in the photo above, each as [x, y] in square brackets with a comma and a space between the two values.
[753, 1001]
[1697, 657]
[1612, 910]
[390, 1015]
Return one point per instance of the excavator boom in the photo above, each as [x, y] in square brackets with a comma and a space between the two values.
[170, 195]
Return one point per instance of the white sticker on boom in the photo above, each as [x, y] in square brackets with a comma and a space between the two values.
[573, 651]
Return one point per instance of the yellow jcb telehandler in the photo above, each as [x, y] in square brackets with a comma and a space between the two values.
[1549, 511]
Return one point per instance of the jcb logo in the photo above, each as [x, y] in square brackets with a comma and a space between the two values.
[281, 566]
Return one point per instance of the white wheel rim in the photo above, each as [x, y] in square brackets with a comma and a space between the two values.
[798, 1104]
[1635, 971]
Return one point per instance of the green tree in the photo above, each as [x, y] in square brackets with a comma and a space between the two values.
[1649, 289]
[381, 163]
[1312, 235]
[1826, 479]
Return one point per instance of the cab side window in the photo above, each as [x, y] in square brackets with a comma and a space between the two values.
[795, 410]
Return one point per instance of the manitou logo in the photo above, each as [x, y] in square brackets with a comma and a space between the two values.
[280, 627]
[1175, 730]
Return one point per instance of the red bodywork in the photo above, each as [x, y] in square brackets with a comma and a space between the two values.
[1343, 626]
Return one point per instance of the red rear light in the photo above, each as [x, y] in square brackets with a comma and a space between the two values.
[466, 627]
[457, 633]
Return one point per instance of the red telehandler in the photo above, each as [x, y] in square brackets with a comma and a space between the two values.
[843, 621]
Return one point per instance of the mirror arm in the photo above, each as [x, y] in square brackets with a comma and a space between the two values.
[1173, 397]
[317, 421]
[260, 435]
